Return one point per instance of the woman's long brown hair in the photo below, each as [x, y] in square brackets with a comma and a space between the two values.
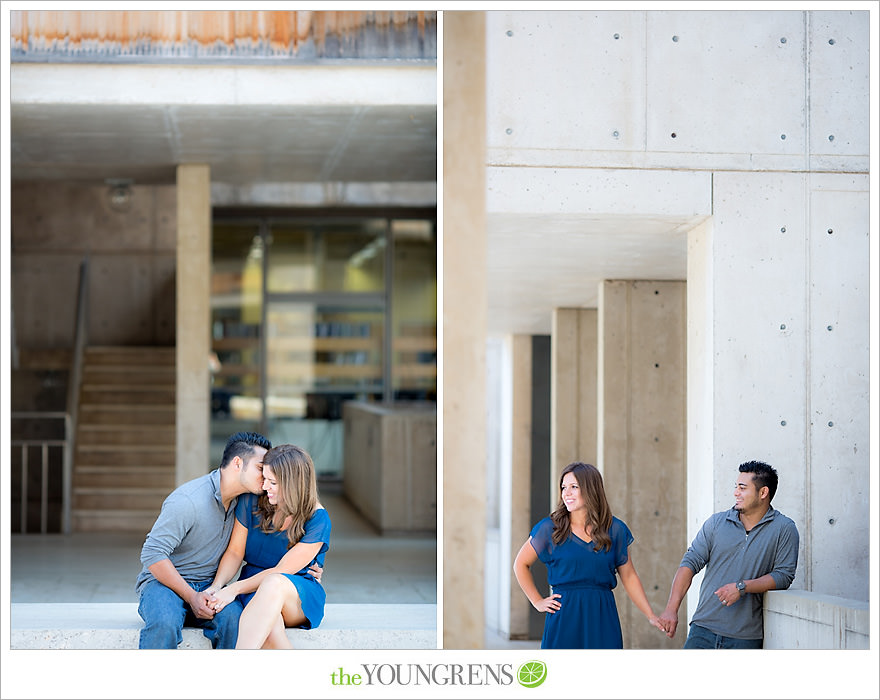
[297, 490]
[598, 511]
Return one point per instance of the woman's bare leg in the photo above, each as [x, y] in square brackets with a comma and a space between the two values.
[277, 638]
[276, 596]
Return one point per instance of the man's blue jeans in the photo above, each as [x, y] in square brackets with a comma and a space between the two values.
[701, 638]
[165, 614]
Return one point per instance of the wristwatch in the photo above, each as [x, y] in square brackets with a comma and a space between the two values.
[741, 587]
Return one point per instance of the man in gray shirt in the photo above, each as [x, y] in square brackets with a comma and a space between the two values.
[182, 551]
[747, 550]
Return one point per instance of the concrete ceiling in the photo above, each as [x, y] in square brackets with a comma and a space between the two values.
[541, 262]
[243, 144]
[252, 126]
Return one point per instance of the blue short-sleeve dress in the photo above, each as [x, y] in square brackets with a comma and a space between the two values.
[584, 578]
[264, 550]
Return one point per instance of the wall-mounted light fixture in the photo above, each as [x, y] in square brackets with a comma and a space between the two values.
[119, 193]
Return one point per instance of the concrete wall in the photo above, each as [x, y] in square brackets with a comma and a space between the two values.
[132, 264]
[752, 127]
[803, 620]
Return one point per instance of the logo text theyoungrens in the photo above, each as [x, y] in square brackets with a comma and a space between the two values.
[426, 674]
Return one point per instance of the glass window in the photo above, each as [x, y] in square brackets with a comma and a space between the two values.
[414, 309]
[236, 316]
[307, 314]
[346, 256]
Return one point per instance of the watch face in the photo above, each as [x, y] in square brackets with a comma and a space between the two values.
[741, 586]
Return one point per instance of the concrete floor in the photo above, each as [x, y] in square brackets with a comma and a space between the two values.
[362, 566]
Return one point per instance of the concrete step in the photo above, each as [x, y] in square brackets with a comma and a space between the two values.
[87, 498]
[123, 375]
[127, 414]
[125, 455]
[130, 355]
[131, 435]
[117, 626]
[157, 394]
[131, 476]
[113, 520]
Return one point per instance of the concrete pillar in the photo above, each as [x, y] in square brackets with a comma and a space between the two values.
[193, 320]
[464, 329]
[573, 421]
[521, 473]
[642, 407]
[785, 267]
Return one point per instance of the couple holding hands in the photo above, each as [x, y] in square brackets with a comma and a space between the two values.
[746, 550]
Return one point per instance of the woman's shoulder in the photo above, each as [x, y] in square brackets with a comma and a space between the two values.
[543, 524]
[618, 527]
[320, 514]
[247, 502]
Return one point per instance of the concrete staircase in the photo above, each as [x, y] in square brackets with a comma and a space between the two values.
[123, 466]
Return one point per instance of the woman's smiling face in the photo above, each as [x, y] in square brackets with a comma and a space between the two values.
[571, 493]
[270, 484]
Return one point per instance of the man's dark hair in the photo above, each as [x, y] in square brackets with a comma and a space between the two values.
[242, 445]
[764, 475]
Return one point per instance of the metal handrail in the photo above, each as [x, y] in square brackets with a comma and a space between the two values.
[73, 389]
[44, 445]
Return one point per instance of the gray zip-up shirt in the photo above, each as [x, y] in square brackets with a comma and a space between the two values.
[192, 530]
[730, 555]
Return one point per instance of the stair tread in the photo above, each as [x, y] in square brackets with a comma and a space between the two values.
[117, 512]
[126, 406]
[128, 490]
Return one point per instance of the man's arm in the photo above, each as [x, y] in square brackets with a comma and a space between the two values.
[680, 586]
[174, 521]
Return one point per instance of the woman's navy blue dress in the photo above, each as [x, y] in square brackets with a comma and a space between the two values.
[584, 578]
[264, 550]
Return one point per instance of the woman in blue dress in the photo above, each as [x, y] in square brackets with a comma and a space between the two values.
[278, 535]
[584, 548]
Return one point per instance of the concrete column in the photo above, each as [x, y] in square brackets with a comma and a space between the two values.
[642, 404]
[521, 474]
[464, 329]
[193, 320]
[573, 421]
[787, 266]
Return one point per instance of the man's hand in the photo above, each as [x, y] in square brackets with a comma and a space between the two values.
[201, 605]
[316, 571]
[669, 622]
[728, 594]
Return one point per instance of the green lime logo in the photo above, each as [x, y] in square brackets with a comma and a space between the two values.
[531, 674]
